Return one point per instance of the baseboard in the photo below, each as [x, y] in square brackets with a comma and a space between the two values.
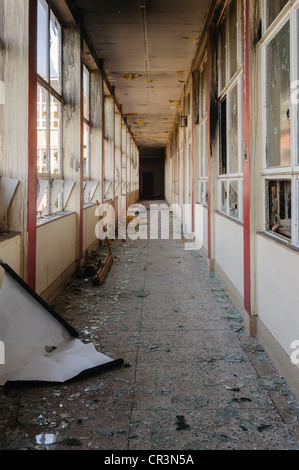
[249, 321]
[279, 357]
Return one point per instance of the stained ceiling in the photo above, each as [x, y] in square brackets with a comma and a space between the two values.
[147, 47]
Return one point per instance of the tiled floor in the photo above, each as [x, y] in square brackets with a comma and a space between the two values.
[190, 380]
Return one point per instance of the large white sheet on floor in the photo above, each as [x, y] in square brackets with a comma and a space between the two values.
[37, 345]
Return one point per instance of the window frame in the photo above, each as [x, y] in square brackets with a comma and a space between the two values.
[289, 13]
[232, 80]
[52, 179]
[86, 119]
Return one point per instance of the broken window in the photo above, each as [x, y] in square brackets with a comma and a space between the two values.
[223, 196]
[279, 201]
[281, 123]
[230, 79]
[233, 206]
[49, 112]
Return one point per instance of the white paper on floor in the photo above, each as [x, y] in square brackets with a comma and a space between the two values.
[39, 345]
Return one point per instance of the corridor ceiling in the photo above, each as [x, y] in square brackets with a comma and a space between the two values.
[147, 47]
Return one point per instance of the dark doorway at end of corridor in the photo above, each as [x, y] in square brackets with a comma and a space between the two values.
[152, 177]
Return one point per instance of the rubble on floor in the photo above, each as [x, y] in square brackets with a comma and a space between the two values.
[191, 378]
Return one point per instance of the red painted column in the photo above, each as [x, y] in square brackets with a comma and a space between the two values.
[246, 159]
[32, 143]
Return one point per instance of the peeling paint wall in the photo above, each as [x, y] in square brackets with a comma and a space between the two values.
[72, 113]
[11, 250]
[14, 113]
[96, 131]
[56, 250]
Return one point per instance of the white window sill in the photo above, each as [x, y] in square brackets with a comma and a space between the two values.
[51, 218]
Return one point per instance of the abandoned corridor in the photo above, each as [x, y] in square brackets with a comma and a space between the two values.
[191, 379]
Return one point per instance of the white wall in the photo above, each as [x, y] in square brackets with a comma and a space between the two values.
[201, 226]
[229, 250]
[56, 249]
[11, 253]
[90, 220]
[277, 290]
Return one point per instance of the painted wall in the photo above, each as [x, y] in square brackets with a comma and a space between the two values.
[14, 113]
[11, 250]
[56, 249]
[89, 223]
[277, 292]
[229, 250]
[201, 227]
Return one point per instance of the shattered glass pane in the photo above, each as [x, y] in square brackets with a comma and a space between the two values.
[278, 99]
[205, 193]
[280, 207]
[233, 198]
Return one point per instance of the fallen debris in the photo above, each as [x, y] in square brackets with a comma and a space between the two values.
[39, 344]
[181, 423]
[102, 270]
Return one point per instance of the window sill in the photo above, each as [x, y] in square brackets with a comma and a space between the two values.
[8, 236]
[89, 204]
[51, 218]
[237, 221]
[279, 241]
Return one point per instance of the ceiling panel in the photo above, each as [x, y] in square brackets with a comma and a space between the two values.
[147, 47]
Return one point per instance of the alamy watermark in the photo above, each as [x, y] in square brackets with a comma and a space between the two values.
[156, 221]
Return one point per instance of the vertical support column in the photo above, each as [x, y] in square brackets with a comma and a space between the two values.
[72, 124]
[32, 143]
[246, 161]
